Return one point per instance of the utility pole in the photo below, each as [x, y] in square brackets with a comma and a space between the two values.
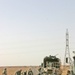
[67, 59]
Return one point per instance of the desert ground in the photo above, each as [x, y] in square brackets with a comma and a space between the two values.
[11, 70]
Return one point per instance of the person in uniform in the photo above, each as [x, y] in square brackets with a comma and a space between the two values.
[41, 71]
[25, 73]
[30, 72]
[18, 72]
[4, 72]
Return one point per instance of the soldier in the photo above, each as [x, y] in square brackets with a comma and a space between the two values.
[41, 71]
[18, 72]
[25, 73]
[4, 72]
[30, 72]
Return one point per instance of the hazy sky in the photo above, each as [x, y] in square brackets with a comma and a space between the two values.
[33, 29]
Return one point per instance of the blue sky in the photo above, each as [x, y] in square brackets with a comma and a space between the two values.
[33, 29]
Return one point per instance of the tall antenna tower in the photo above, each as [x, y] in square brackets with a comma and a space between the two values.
[67, 59]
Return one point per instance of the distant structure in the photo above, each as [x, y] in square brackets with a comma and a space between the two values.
[67, 59]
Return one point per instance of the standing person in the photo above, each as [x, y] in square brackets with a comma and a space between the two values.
[30, 72]
[25, 73]
[18, 72]
[4, 72]
[39, 71]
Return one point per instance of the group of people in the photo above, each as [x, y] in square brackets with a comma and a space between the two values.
[19, 72]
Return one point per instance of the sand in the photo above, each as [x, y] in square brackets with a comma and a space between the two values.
[11, 70]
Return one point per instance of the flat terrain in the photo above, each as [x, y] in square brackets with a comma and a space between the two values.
[11, 70]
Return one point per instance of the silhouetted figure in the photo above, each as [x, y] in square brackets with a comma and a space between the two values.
[18, 72]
